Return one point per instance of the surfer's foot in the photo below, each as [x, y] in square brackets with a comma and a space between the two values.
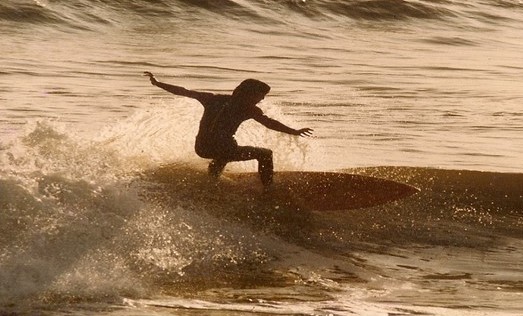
[266, 177]
[215, 168]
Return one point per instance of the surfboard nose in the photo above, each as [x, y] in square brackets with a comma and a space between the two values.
[327, 191]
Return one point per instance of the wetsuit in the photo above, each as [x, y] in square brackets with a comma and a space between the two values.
[215, 140]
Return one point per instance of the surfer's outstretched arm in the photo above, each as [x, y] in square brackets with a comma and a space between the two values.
[280, 127]
[200, 96]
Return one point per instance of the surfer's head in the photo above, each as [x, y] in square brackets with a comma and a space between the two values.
[251, 91]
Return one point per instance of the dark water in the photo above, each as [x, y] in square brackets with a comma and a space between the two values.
[429, 89]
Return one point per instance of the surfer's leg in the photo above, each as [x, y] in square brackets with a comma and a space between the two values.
[266, 167]
[264, 157]
[216, 167]
[220, 154]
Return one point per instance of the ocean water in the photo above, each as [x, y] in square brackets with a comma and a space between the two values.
[427, 93]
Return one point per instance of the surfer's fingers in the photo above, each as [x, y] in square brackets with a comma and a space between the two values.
[306, 132]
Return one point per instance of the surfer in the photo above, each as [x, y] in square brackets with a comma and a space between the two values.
[221, 118]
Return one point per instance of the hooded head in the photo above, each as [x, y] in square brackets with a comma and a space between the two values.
[251, 91]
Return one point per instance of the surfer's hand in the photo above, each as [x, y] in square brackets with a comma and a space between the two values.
[151, 77]
[304, 132]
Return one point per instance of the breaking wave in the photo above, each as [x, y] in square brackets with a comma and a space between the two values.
[80, 221]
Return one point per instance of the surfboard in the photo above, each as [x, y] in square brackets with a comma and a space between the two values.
[328, 191]
[305, 190]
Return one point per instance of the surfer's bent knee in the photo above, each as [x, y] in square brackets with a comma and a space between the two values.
[266, 153]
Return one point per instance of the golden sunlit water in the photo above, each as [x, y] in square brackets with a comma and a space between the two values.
[426, 93]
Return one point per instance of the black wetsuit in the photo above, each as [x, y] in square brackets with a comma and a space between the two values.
[215, 140]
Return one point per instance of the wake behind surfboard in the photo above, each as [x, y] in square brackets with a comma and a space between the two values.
[302, 190]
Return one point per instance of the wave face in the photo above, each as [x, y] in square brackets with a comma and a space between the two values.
[82, 222]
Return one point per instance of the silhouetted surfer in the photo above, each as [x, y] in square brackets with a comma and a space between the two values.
[221, 118]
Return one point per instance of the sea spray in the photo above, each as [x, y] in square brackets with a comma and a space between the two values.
[77, 226]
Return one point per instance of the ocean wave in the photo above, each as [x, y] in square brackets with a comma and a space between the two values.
[96, 220]
[70, 240]
[90, 14]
